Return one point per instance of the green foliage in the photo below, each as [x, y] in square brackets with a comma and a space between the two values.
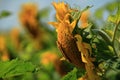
[116, 40]
[77, 13]
[15, 67]
[103, 35]
[112, 69]
[4, 14]
[115, 18]
[71, 75]
[110, 8]
[101, 50]
[43, 13]
[111, 65]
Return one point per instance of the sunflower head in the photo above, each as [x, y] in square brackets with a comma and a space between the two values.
[28, 18]
[28, 13]
[66, 41]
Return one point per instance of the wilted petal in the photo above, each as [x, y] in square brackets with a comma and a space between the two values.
[66, 18]
[73, 24]
[61, 10]
[55, 24]
[84, 19]
[83, 58]
[84, 25]
[87, 46]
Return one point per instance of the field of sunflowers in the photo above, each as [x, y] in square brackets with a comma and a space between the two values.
[77, 44]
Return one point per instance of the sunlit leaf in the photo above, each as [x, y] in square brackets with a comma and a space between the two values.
[116, 40]
[14, 68]
[115, 18]
[76, 15]
[112, 18]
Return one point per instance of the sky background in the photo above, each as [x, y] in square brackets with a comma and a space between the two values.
[14, 7]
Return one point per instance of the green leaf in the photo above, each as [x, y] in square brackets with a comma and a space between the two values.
[112, 69]
[111, 7]
[4, 14]
[103, 35]
[14, 68]
[115, 18]
[71, 75]
[43, 13]
[76, 15]
[116, 40]
[99, 13]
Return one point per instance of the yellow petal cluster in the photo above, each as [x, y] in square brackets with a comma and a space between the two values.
[85, 49]
[63, 17]
[28, 18]
[48, 57]
[28, 15]
[61, 10]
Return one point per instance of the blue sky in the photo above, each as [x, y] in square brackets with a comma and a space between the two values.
[14, 7]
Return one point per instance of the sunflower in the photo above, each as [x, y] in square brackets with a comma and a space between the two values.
[28, 18]
[65, 39]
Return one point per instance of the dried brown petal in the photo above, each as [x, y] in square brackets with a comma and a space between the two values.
[67, 45]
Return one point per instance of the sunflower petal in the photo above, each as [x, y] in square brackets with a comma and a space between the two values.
[83, 58]
[55, 24]
[73, 24]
